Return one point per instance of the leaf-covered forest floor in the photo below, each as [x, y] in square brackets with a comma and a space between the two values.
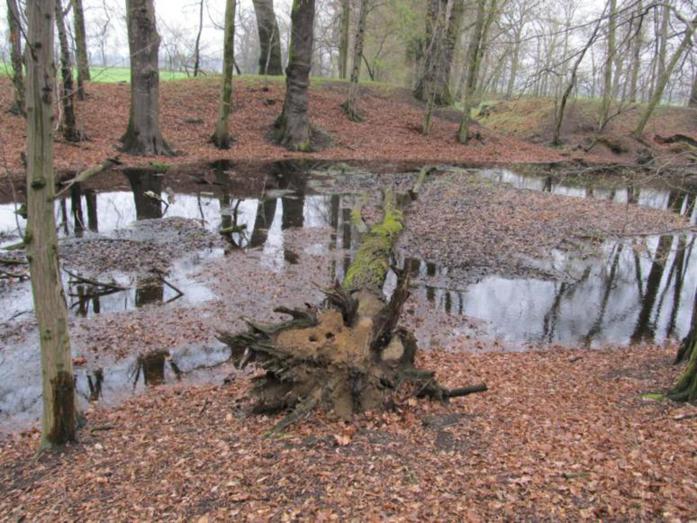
[563, 435]
[189, 109]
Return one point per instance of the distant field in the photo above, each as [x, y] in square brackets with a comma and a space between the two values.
[109, 75]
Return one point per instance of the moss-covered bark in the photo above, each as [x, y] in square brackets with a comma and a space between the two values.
[59, 412]
[686, 387]
[347, 356]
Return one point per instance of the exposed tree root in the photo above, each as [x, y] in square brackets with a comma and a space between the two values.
[348, 356]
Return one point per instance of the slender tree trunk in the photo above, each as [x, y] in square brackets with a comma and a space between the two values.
[663, 39]
[344, 38]
[692, 102]
[452, 36]
[83, 66]
[349, 106]
[143, 136]
[663, 79]
[69, 122]
[559, 120]
[221, 137]
[431, 81]
[269, 38]
[293, 125]
[474, 56]
[58, 386]
[197, 45]
[14, 21]
[609, 60]
[515, 59]
[636, 53]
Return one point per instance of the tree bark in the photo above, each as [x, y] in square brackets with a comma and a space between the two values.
[443, 27]
[663, 79]
[608, 69]
[59, 420]
[344, 38]
[692, 102]
[197, 44]
[69, 122]
[270, 62]
[221, 137]
[83, 66]
[293, 125]
[143, 136]
[349, 106]
[474, 55]
[638, 41]
[14, 21]
[686, 387]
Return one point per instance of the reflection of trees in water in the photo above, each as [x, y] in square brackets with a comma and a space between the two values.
[645, 329]
[141, 183]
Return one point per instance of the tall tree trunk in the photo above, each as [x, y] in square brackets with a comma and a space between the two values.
[515, 59]
[452, 36]
[14, 21]
[269, 38]
[474, 56]
[349, 106]
[69, 122]
[636, 52]
[293, 125]
[344, 38]
[443, 27]
[197, 45]
[221, 137]
[143, 136]
[431, 81]
[663, 79]
[58, 384]
[609, 60]
[83, 65]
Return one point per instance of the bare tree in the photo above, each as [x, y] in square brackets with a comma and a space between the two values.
[475, 51]
[68, 123]
[349, 106]
[293, 125]
[221, 138]
[59, 406]
[662, 80]
[345, 23]
[197, 44]
[83, 66]
[15, 25]
[143, 136]
[608, 67]
[692, 102]
[269, 38]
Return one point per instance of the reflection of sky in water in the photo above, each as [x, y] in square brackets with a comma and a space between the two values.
[601, 305]
[515, 309]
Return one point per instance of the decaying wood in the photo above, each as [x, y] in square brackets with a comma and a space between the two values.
[349, 355]
[85, 175]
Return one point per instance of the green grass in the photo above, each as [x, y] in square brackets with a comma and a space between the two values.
[109, 75]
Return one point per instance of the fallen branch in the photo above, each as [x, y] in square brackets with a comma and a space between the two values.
[85, 175]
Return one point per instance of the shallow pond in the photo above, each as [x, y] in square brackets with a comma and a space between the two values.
[633, 290]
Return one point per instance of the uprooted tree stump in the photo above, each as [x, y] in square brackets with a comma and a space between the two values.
[348, 356]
